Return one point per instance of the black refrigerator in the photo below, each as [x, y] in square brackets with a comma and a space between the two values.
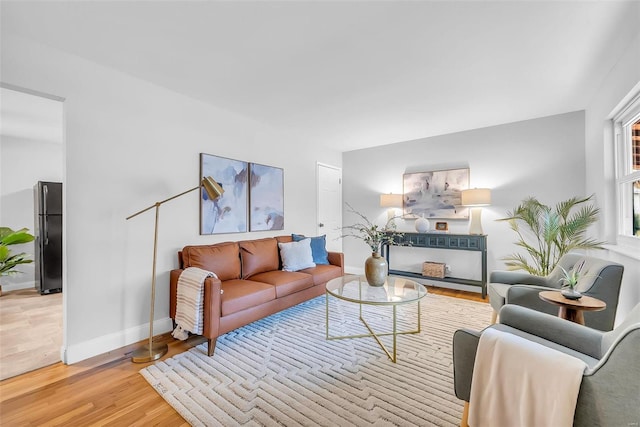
[48, 234]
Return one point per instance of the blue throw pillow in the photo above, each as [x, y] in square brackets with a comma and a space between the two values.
[318, 247]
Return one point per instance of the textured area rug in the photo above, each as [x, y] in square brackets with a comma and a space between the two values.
[281, 370]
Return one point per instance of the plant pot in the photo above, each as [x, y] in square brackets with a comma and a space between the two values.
[375, 269]
[571, 294]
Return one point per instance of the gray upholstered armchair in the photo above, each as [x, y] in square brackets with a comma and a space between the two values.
[610, 387]
[599, 278]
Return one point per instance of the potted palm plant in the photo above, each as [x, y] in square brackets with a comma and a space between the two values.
[546, 233]
[8, 260]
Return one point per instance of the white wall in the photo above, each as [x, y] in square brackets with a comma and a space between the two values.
[622, 80]
[541, 157]
[26, 156]
[129, 144]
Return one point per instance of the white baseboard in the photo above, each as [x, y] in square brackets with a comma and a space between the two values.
[77, 352]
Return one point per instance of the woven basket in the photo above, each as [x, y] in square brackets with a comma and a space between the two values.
[433, 269]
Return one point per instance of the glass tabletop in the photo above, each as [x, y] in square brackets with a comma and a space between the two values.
[396, 290]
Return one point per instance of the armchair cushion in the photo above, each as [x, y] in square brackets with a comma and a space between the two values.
[497, 292]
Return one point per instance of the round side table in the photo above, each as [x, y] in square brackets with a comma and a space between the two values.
[572, 309]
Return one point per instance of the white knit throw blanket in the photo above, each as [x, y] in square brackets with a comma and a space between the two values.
[190, 302]
[517, 382]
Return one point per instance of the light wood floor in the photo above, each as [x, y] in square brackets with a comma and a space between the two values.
[106, 390]
[30, 331]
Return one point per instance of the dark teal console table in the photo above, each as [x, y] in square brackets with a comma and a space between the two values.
[458, 242]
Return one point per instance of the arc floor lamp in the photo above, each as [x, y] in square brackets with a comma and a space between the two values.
[151, 351]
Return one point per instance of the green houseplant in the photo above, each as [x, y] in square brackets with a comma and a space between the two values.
[546, 233]
[8, 260]
[374, 236]
[371, 233]
[569, 282]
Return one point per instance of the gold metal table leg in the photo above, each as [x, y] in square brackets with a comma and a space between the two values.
[394, 333]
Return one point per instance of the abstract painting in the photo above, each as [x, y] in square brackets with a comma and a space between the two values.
[227, 213]
[266, 198]
[435, 194]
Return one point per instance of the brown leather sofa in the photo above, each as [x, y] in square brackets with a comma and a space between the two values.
[250, 283]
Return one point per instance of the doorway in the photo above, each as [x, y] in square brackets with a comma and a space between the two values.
[31, 150]
[329, 213]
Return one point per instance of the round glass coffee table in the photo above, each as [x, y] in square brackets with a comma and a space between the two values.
[396, 291]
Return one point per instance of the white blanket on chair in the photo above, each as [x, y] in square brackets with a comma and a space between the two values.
[517, 382]
[190, 302]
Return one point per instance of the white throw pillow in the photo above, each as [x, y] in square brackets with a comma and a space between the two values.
[296, 255]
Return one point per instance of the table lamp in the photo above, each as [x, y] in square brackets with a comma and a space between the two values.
[475, 198]
[391, 201]
[151, 351]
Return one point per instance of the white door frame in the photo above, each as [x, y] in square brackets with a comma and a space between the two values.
[319, 230]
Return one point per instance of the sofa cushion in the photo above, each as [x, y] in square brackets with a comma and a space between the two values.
[296, 255]
[258, 256]
[318, 247]
[239, 295]
[285, 282]
[323, 273]
[284, 239]
[223, 259]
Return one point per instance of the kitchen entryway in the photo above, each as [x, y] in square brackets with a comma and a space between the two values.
[31, 150]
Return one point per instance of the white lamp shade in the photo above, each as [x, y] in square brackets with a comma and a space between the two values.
[390, 200]
[476, 197]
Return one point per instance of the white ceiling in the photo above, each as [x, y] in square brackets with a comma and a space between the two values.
[351, 74]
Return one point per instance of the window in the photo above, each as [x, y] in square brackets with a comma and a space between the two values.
[627, 128]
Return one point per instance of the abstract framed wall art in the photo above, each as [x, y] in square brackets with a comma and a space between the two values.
[266, 198]
[435, 194]
[227, 213]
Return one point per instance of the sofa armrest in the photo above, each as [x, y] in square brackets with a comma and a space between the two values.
[337, 259]
[514, 277]
[173, 291]
[465, 345]
[528, 296]
[212, 302]
[212, 307]
[551, 328]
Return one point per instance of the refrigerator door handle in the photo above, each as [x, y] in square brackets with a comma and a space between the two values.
[45, 196]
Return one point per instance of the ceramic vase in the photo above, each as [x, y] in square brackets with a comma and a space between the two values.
[571, 294]
[375, 269]
[422, 225]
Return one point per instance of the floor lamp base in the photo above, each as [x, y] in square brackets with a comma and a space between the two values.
[143, 355]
